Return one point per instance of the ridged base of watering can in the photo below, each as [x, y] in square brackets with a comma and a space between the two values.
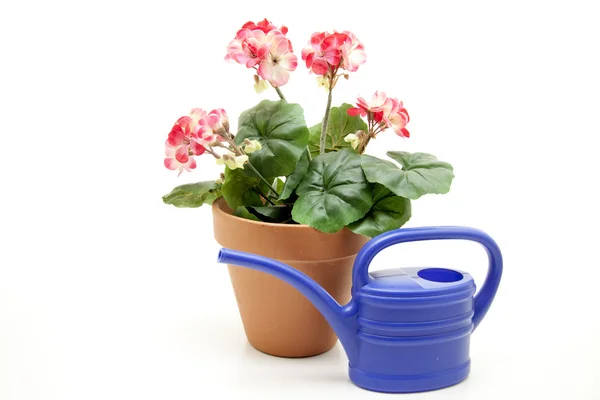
[409, 383]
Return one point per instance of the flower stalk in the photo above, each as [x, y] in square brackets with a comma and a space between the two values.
[262, 178]
[237, 150]
[326, 119]
[281, 96]
[264, 196]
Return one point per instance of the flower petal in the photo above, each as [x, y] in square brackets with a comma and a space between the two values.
[319, 66]
[306, 53]
[316, 39]
[181, 154]
[354, 111]
[197, 148]
[333, 56]
[289, 61]
[176, 136]
[280, 76]
[171, 164]
[265, 70]
[279, 46]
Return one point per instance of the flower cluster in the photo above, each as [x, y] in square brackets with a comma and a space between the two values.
[328, 52]
[184, 142]
[265, 48]
[383, 112]
[200, 132]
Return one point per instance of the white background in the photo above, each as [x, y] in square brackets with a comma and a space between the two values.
[106, 293]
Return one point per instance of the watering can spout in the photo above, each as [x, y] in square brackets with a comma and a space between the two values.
[342, 319]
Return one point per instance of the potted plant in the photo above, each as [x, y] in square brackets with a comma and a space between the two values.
[308, 196]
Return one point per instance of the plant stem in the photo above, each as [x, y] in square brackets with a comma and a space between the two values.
[363, 146]
[269, 200]
[280, 93]
[325, 119]
[264, 195]
[211, 152]
[240, 151]
[262, 178]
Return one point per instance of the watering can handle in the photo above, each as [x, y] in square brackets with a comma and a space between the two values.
[483, 299]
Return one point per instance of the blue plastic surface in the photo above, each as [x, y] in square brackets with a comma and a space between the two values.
[405, 330]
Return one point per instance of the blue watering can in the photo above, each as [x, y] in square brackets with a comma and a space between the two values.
[405, 330]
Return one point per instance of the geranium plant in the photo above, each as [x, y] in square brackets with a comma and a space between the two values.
[278, 170]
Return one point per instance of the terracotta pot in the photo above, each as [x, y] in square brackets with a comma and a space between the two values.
[277, 319]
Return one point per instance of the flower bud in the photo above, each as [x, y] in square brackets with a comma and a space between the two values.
[232, 161]
[260, 85]
[323, 82]
[252, 146]
[353, 139]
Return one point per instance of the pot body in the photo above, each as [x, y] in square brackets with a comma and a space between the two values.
[277, 319]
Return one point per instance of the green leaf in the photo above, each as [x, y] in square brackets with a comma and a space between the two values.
[294, 179]
[421, 173]
[238, 189]
[243, 212]
[193, 195]
[333, 193]
[388, 212]
[340, 124]
[273, 214]
[279, 185]
[281, 130]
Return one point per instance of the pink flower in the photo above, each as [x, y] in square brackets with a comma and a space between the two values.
[264, 47]
[278, 60]
[184, 130]
[396, 117]
[388, 112]
[211, 128]
[330, 51]
[247, 48]
[323, 51]
[180, 146]
[185, 126]
[375, 106]
[179, 159]
[218, 121]
[353, 53]
[265, 25]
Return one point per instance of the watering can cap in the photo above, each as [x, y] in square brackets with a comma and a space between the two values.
[417, 282]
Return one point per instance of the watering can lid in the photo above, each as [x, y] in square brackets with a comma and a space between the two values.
[413, 282]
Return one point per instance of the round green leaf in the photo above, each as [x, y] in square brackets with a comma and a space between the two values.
[193, 195]
[333, 193]
[238, 189]
[388, 212]
[340, 124]
[280, 128]
[421, 174]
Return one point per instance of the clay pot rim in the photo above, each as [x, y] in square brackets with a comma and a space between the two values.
[218, 207]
